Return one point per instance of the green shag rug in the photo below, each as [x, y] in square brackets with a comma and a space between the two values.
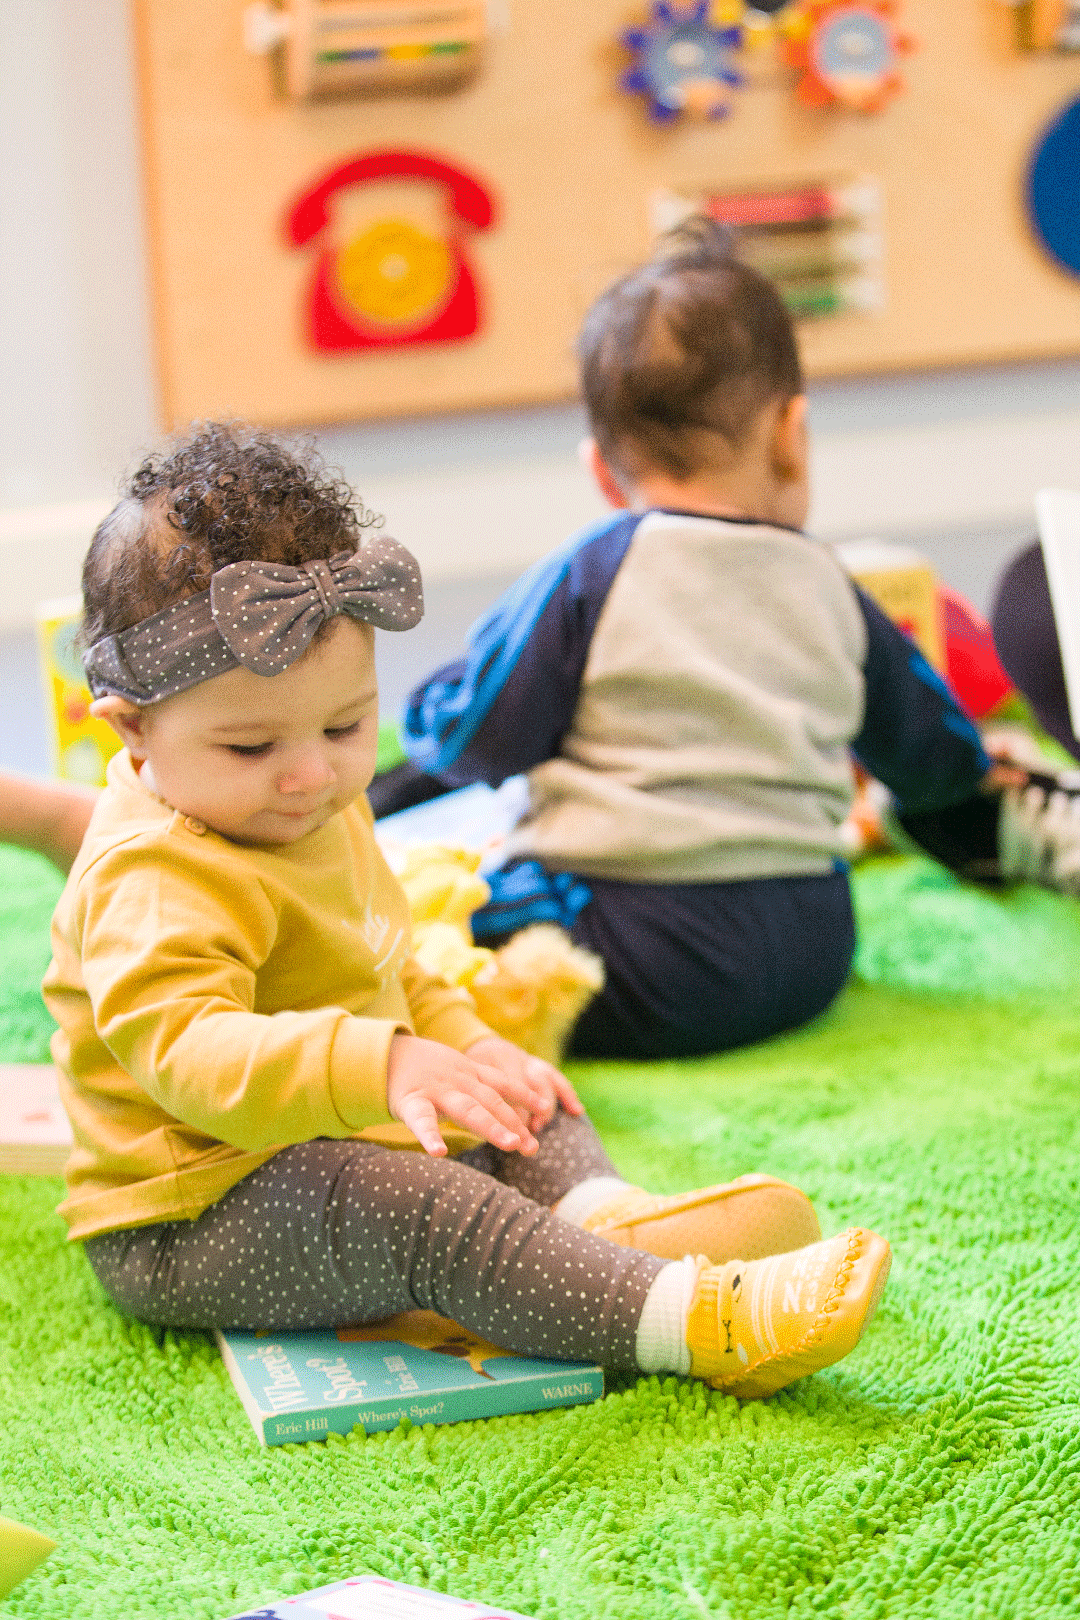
[934, 1472]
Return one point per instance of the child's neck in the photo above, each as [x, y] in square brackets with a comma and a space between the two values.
[739, 498]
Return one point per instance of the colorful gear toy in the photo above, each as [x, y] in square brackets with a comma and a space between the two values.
[683, 62]
[847, 52]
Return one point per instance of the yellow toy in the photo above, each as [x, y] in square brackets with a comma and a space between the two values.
[443, 890]
[532, 990]
[442, 885]
[536, 988]
[21, 1550]
[82, 746]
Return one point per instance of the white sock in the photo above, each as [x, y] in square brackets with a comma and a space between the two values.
[578, 1204]
[661, 1332]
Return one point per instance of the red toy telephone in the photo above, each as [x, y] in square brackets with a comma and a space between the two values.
[394, 284]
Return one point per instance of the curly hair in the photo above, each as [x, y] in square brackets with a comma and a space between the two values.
[222, 493]
[684, 352]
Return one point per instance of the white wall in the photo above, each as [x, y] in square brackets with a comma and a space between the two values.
[949, 460]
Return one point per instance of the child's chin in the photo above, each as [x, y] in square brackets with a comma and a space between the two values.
[275, 830]
[287, 829]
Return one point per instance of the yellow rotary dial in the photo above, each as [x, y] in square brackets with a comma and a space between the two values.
[394, 273]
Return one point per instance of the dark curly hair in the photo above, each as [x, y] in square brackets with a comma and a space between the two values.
[683, 352]
[222, 493]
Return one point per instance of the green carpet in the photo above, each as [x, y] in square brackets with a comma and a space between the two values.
[935, 1472]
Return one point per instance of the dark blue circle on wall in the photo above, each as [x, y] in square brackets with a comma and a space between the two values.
[1053, 188]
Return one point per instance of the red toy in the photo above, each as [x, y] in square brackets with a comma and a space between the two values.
[847, 53]
[972, 665]
[395, 284]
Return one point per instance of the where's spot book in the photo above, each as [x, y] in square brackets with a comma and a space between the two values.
[304, 1386]
[370, 1597]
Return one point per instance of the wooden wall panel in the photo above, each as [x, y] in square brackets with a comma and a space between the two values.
[574, 163]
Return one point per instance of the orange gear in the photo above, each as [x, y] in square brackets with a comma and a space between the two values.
[846, 52]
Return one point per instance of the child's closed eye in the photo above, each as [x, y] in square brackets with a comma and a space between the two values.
[249, 750]
[342, 731]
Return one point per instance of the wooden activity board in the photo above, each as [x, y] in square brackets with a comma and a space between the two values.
[527, 179]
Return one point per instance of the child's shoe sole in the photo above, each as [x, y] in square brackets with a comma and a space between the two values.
[748, 1218]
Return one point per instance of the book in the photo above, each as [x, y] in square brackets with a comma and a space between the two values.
[416, 1366]
[476, 817]
[35, 1137]
[82, 744]
[371, 1597]
[904, 585]
[1058, 512]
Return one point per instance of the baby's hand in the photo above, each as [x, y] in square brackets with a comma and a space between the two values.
[549, 1088]
[425, 1079]
[1002, 776]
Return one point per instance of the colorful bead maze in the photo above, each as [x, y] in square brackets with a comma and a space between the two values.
[353, 47]
[820, 242]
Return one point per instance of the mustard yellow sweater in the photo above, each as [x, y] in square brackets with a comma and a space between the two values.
[218, 1002]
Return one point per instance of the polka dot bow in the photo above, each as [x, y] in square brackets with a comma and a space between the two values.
[258, 614]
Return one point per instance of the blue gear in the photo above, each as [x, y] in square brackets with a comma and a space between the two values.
[678, 49]
[853, 45]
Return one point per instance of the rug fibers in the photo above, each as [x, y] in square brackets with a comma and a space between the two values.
[934, 1472]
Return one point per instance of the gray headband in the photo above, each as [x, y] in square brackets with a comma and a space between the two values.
[258, 614]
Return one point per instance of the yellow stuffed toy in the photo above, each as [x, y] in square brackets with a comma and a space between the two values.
[443, 890]
[536, 988]
[532, 990]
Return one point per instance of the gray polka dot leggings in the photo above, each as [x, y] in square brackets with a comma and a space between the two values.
[328, 1232]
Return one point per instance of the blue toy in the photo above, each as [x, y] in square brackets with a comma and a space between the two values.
[1053, 189]
[682, 63]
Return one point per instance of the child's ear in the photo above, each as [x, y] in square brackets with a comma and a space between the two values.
[790, 441]
[126, 719]
[605, 480]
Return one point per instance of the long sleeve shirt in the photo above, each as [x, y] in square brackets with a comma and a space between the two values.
[684, 694]
[217, 1002]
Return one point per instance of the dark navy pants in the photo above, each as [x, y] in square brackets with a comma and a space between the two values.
[702, 967]
[693, 967]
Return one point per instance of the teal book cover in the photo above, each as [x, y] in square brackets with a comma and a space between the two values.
[297, 1387]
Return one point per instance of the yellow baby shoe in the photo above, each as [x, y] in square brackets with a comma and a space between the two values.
[754, 1327]
[750, 1217]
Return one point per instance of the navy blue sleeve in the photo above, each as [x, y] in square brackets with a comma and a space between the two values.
[915, 737]
[507, 704]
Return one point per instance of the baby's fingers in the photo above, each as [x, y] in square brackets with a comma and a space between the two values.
[1002, 776]
[419, 1115]
[513, 1089]
[485, 1113]
[547, 1076]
